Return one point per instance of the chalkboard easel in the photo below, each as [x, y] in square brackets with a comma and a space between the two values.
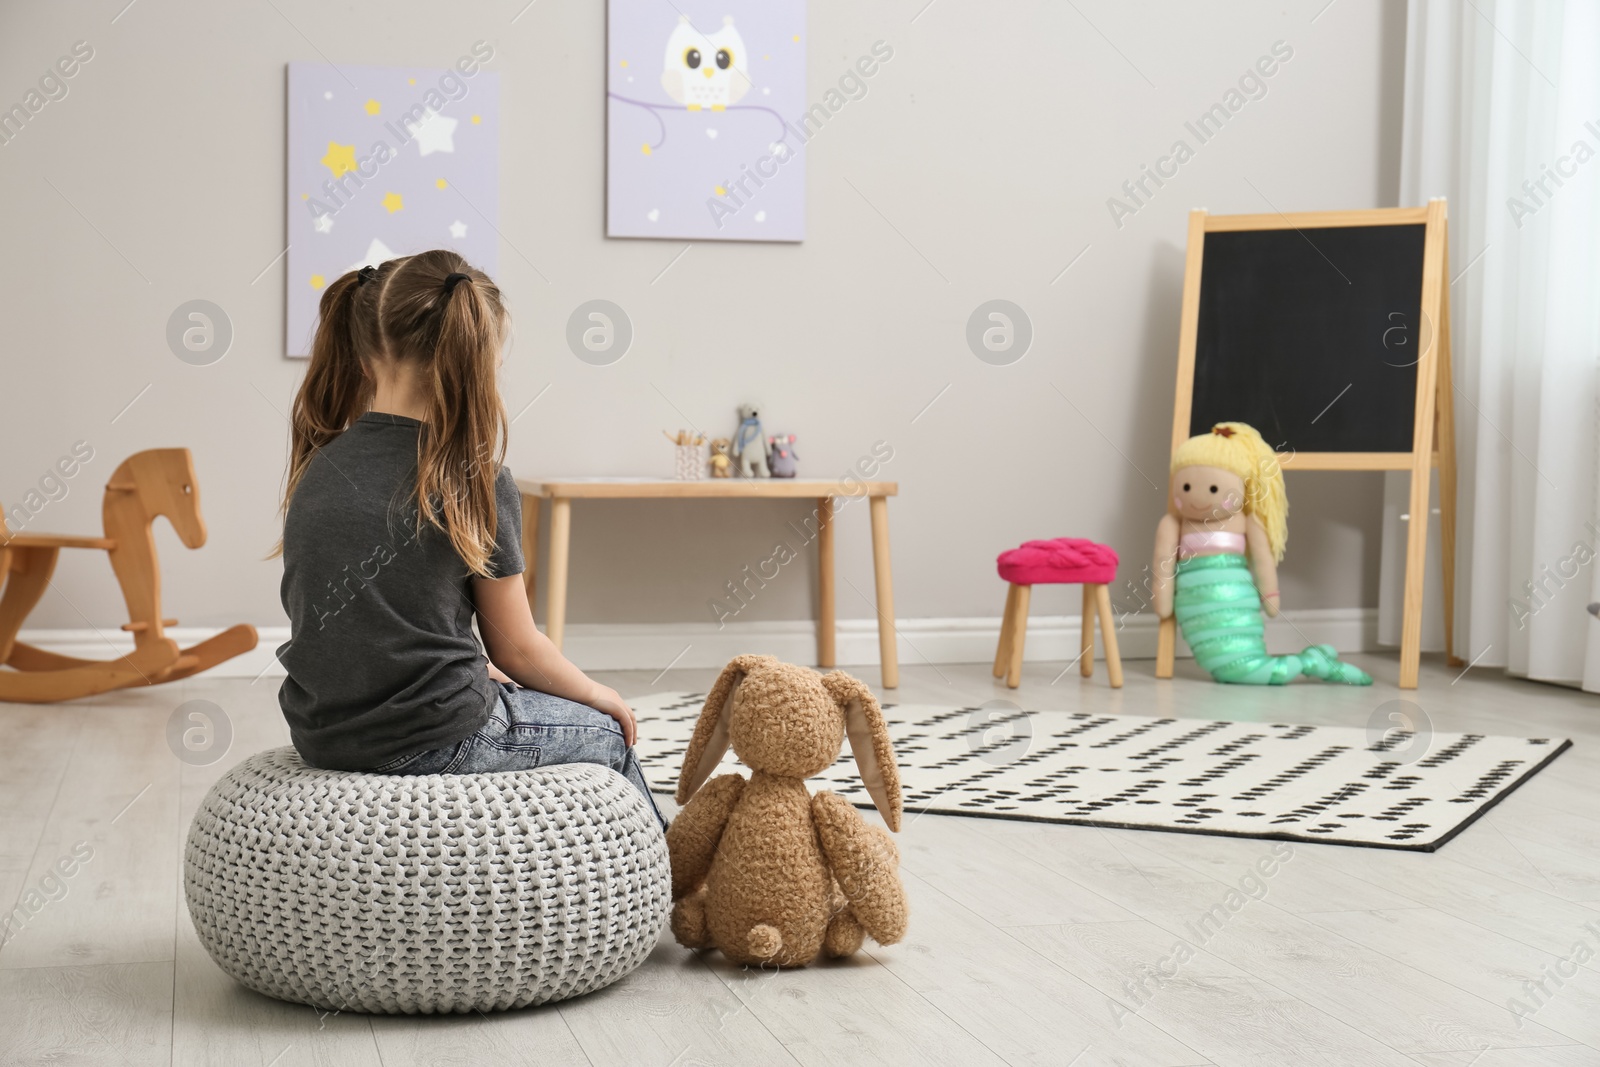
[1329, 332]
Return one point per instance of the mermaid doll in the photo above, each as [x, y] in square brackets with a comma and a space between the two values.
[1216, 562]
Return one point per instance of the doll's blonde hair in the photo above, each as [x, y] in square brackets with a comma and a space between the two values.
[1237, 448]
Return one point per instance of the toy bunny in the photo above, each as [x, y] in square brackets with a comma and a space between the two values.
[750, 444]
[782, 460]
[761, 869]
[1227, 499]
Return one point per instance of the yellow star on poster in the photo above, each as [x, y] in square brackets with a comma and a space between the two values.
[411, 81]
[316, 281]
[341, 158]
[477, 119]
[373, 107]
[393, 202]
[721, 191]
[441, 183]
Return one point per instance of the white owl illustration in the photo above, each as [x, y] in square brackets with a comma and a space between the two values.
[703, 71]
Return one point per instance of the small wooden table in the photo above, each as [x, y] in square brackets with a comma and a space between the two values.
[562, 492]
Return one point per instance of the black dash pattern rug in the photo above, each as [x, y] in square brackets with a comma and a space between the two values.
[1243, 779]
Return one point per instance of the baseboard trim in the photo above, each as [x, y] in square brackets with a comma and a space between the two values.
[656, 646]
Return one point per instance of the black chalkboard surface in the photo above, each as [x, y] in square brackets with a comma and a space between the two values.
[1312, 336]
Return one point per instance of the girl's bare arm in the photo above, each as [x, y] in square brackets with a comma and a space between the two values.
[529, 658]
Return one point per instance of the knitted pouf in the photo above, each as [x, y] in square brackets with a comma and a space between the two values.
[434, 893]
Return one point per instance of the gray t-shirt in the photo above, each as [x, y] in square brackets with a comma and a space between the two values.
[382, 659]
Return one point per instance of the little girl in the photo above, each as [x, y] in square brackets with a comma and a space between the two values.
[1219, 544]
[400, 527]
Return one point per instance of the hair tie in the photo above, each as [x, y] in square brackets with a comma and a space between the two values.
[1222, 431]
[366, 274]
[450, 281]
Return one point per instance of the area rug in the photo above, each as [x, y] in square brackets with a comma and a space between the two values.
[1241, 779]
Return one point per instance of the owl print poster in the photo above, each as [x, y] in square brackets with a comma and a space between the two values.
[385, 162]
[703, 97]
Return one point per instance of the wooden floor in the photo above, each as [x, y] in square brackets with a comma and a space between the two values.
[1029, 944]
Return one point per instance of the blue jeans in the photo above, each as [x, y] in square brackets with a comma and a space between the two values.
[528, 729]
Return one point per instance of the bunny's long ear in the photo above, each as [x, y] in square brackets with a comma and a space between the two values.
[869, 743]
[710, 740]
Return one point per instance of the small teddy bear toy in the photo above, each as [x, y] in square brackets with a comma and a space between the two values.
[761, 869]
[749, 444]
[721, 465]
[782, 459]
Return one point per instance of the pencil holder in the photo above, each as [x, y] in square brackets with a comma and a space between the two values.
[689, 462]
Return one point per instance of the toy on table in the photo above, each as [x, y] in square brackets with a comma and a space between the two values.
[1216, 557]
[721, 465]
[688, 456]
[750, 444]
[783, 457]
[761, 869]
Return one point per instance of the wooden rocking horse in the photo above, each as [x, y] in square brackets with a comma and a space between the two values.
[157, 482]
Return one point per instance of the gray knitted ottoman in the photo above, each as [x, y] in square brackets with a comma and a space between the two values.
[436, 893]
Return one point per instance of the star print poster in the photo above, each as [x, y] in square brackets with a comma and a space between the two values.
[707, 119]
[386, 162]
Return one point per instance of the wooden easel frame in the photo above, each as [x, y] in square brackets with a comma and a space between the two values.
[1434, 436]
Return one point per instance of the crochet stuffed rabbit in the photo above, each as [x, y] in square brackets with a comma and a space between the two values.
[761, 869]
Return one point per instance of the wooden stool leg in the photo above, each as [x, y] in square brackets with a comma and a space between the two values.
[1019, 635]
[1086, 645]
[1002, 653]
[1108, 635]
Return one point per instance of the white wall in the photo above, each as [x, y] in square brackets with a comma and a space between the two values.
[978, 166]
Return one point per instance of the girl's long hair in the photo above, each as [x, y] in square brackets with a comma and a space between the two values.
[409, 311]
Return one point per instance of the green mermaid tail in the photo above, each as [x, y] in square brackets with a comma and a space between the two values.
[1219, 612]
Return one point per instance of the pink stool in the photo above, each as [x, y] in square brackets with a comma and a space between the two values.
[1059, 561]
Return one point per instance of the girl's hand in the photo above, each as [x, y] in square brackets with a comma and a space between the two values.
[605, 699]
[1269, 603]
[510, 637]
[498, 675]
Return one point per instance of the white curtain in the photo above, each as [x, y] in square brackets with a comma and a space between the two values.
[1502, 117]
